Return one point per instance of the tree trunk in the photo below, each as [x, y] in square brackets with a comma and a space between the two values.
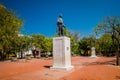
[117, 57]
[2, 55]
[117, 49]
[21, 53]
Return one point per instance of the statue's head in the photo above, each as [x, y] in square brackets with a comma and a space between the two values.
[60, 15]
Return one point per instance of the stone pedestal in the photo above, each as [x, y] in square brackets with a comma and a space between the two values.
[61, 53]
[93, 55]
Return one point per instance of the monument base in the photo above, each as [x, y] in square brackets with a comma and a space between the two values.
[62, 68]
[93, 57]
[61, 53]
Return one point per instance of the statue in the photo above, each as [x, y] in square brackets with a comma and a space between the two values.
[60, 29]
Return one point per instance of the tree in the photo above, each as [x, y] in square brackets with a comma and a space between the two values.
[111, 25]
[10, 25]
[48, 45]
[86, 43]
[84, 46]
[24, 44]
[74, 37]
[38, 40]
[105, 45]
[42, 42]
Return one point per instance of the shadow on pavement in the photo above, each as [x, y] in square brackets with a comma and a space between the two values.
[47, 67]
[110, 62]
[117, 77]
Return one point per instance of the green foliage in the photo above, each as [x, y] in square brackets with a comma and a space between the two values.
[41, 42]
[85, 45]
[10, 25]
[105, 45]
[48, 45]
[38, 40]
[24, 42]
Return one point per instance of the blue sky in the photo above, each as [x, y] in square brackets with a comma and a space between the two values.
[40, 16]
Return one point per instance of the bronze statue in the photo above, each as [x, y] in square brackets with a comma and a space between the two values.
[61, 26]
